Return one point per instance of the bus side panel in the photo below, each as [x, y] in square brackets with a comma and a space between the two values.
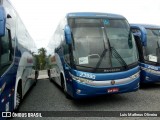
[26, 47]
[21, 42]
[25, 71]
[69, 82]
[65, 71]
[7, 90]
[61, 69]
[8, 81]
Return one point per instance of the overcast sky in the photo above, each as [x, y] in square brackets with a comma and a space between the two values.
[41, 17]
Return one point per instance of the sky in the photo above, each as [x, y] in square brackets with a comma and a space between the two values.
[41, 17]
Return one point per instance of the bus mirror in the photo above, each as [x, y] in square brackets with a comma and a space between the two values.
[2, 21]
[138, 38]
[68, 36]
[158, 53]
[144, 43]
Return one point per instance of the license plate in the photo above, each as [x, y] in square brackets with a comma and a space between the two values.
[111, 90]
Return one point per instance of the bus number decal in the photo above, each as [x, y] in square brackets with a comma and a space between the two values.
[87, 75]
[106, 22]
[152, 67]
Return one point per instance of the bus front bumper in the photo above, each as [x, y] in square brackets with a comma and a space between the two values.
[82, 90]
[149, 75]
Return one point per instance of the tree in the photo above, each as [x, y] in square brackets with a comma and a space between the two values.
[48, 66]
[42, 58]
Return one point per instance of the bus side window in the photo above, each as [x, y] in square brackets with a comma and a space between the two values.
[6, 50]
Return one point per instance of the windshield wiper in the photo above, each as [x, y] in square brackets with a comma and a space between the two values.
[100, 60]
[112, 49]
[104, 51]
[116, 54]
[118, 57]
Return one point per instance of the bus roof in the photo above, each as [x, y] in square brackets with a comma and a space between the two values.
[94, 15]
[149, 26]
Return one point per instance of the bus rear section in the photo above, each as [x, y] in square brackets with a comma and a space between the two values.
[96, 55]
[17, 64]
[148, 41]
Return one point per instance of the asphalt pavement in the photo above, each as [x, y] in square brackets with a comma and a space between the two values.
[47, 96]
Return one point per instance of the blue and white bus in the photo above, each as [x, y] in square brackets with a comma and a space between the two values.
[17, 64]
[148, 43]
[95, 54]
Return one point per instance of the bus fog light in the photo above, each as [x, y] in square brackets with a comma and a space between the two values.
[78, 91]
[147, 78]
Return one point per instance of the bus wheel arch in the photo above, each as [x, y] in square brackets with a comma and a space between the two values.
[64, 86]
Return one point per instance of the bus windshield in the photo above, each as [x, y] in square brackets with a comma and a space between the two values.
[95, 40]
[153, 45]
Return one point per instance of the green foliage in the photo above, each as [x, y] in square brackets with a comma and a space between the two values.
[41, 58]
[48, 62]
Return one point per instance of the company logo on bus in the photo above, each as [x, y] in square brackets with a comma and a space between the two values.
[112, 82]
[53, 59]
[112, 70]
[29, 60]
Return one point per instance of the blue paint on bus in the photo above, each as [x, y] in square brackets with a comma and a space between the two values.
[148, 44]
[94, 54]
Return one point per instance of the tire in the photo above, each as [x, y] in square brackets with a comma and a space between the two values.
[143, 85]
[49, 76]
[63, 88]
[18, 98]
[36, 77]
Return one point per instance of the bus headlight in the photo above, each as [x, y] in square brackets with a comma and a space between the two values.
[156, 72]
[78, 91]
[135, 75]
[106, 82]
[79, 79]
